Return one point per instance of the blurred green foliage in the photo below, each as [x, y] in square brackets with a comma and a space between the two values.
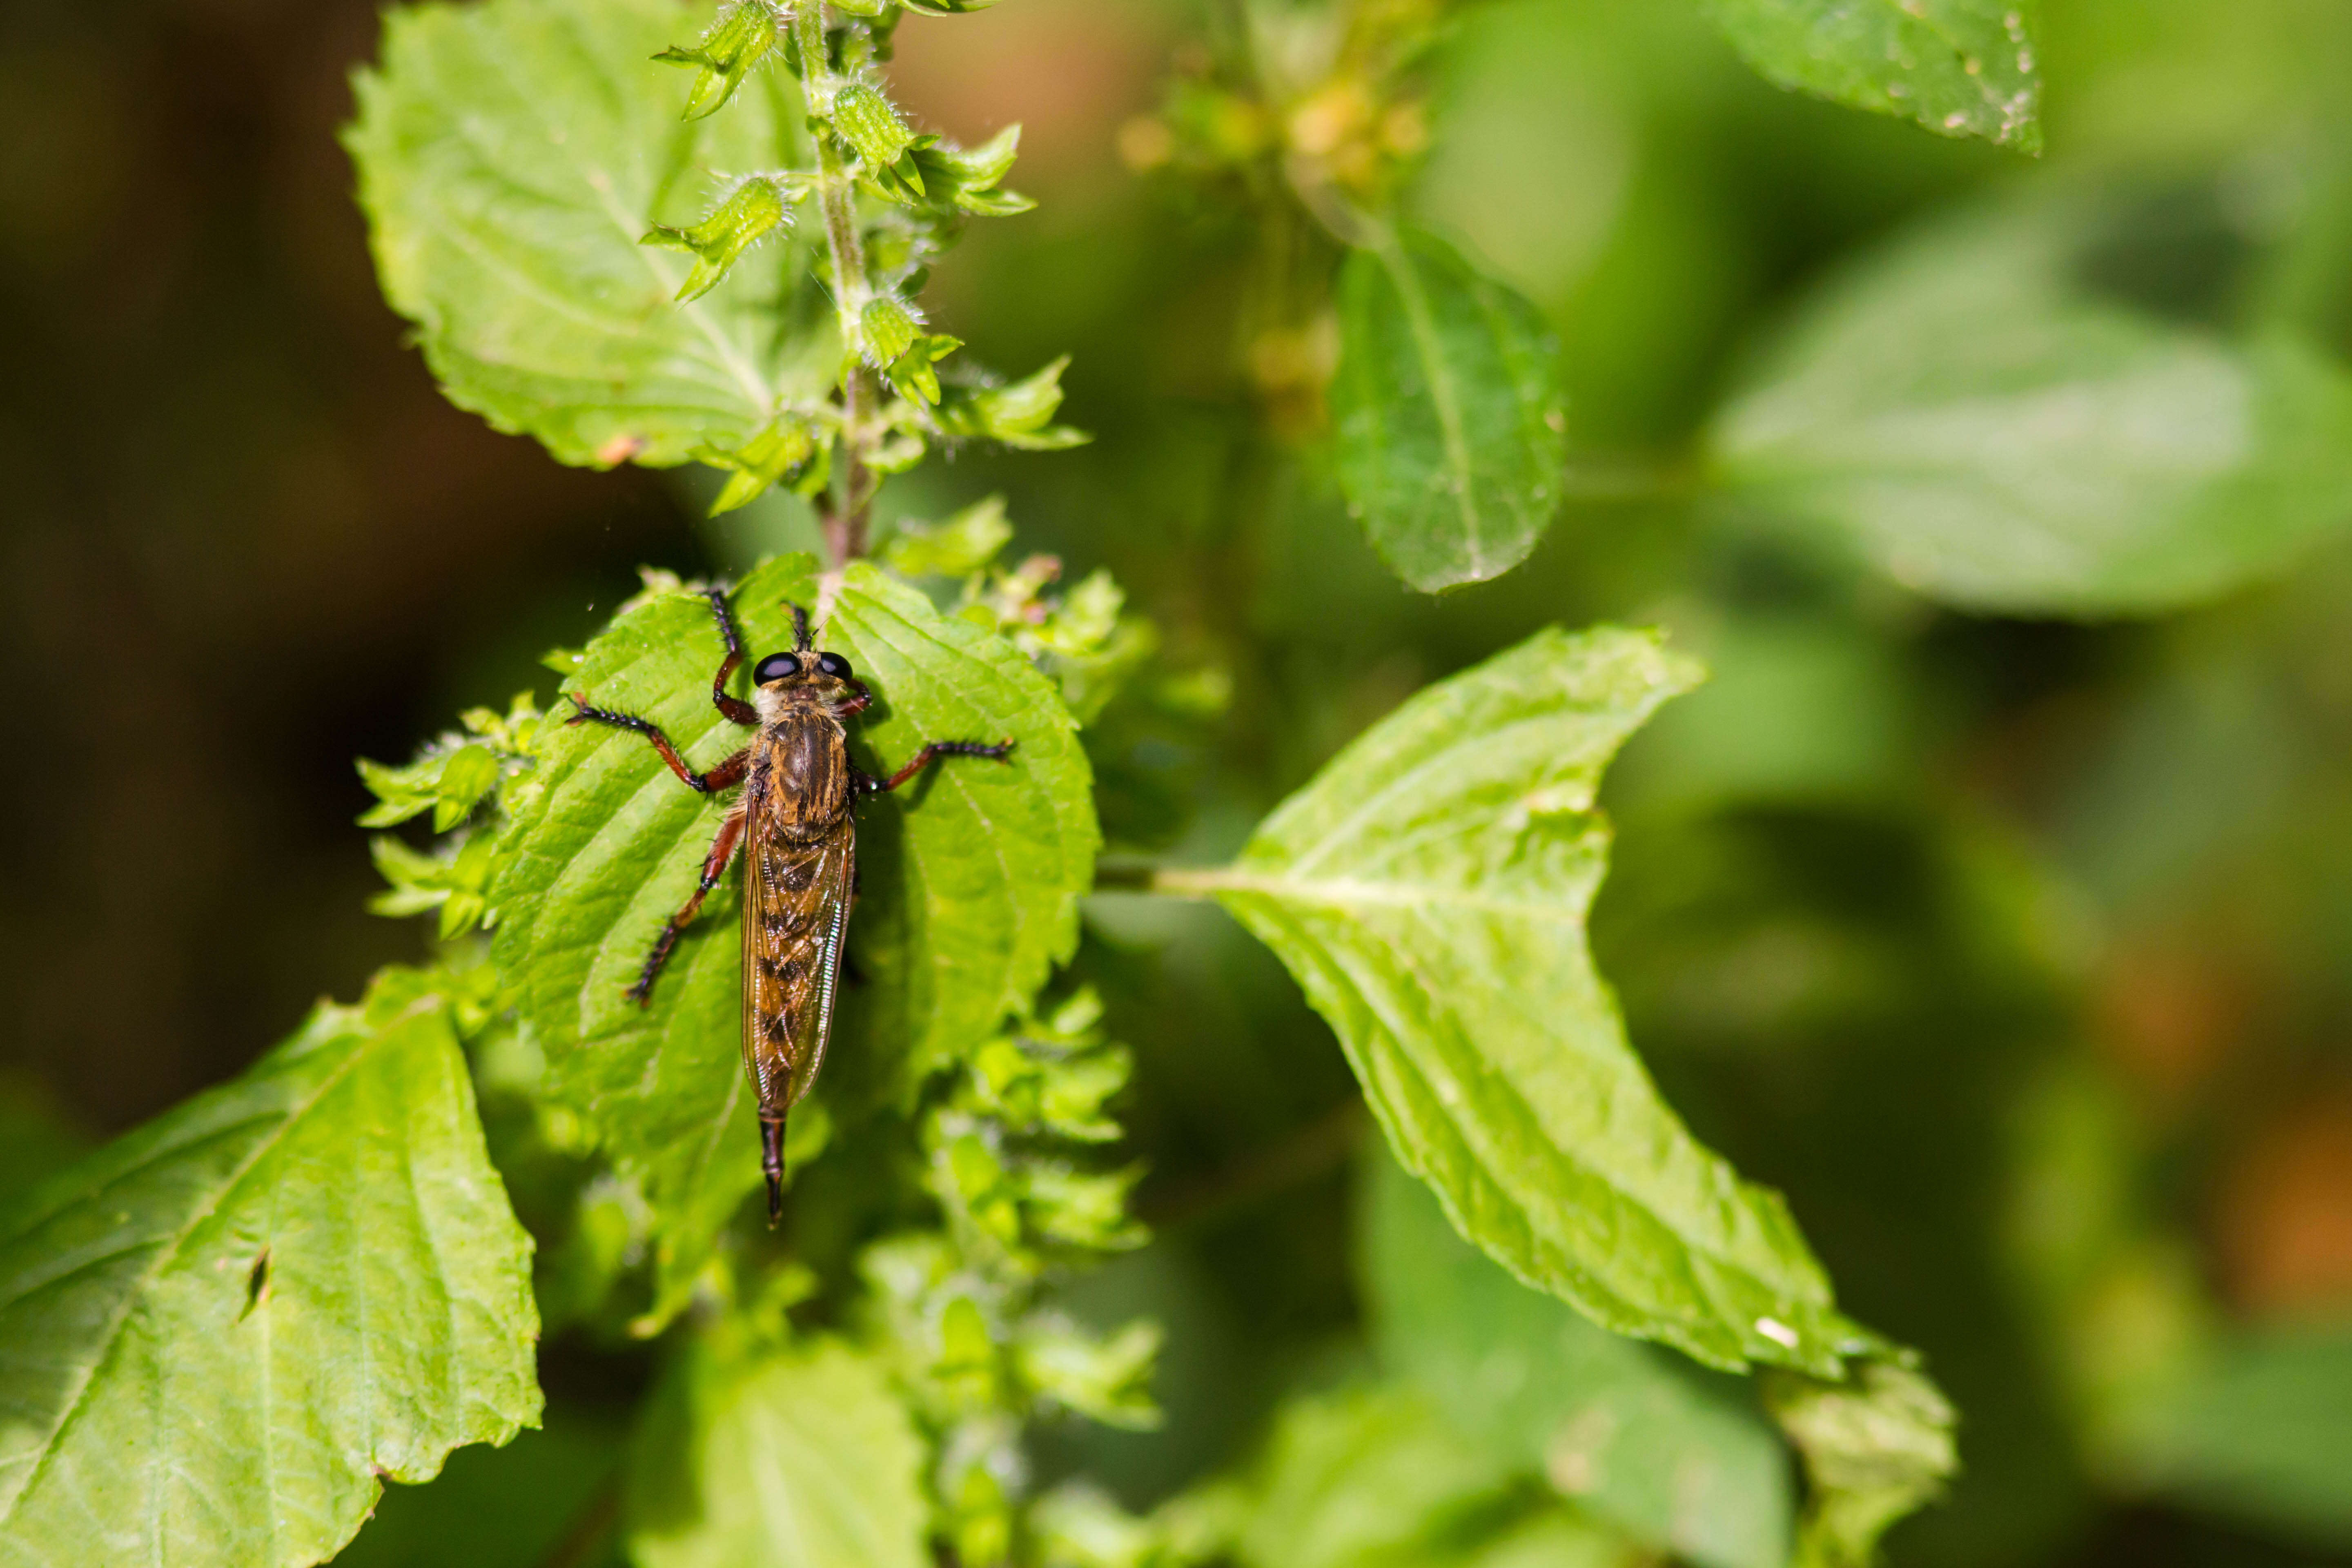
[1990, 901]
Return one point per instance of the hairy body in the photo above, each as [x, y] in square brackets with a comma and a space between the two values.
[797, 823]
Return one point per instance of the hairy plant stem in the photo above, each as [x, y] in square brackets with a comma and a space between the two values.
[845, 516]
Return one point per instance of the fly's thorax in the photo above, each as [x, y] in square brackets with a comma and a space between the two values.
[799, 775]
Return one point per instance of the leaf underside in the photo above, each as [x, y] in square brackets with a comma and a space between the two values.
[1993, 435]
[219, 1332]
[969, 880]
[1428, 890]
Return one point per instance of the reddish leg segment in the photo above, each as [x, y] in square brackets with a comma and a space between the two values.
[932, 753]
[714, 866]
[726, 775]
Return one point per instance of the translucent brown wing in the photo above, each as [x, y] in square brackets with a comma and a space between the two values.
[795, 916]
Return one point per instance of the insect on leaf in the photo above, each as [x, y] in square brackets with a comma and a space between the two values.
[1428, 890]
[219, 1331]
[969, 882]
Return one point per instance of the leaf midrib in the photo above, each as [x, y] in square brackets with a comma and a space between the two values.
[370, 1039]
[1442, 395]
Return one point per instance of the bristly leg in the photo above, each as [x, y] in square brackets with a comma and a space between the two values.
[734, 708]
[932, 753]
[714, 866]
[726, 775]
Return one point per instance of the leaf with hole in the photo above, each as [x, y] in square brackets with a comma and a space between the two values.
[218, 1332]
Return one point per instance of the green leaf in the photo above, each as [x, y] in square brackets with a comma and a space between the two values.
[219, 1332]
[1428, 890]
[1365, 1474]
[726, 54]
[1677, 1459]
[2265, 1433]
[1875, 1446]
[1960, 67]
[1992, 433]
[803, 1459]
[510, 156]
[969, 880]
[1448, 413]
[738, 223]
[1020, 416]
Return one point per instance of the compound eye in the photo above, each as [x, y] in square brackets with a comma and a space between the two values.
[833, 663]
[776, 667]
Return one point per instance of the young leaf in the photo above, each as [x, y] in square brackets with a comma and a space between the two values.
[1448, 413]
[740, 221]
[1677, 1459]
[1960, 67]
[726, 54]
[1876, 1448]
[219, 1332]
[1994, 436]
[1428, 890]
[512, 155]
[969, 880]
[803, 1459]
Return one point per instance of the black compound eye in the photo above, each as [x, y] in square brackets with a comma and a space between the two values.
[833, 663]
[776, 667]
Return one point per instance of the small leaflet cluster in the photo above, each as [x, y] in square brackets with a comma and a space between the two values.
[875, 261]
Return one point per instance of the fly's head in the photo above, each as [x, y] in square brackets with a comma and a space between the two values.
[784, 683]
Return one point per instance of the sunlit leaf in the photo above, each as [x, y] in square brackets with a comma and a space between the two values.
[1678, 1458]
[1448, 413]
[1960, 67]
[1428, 890]
[799, 1459]
[969, 880]
[1992, 433]
[219, 1332]
[512, 155]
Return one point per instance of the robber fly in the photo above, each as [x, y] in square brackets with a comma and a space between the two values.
[796, 819]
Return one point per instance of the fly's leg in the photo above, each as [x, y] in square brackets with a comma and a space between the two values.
[714, 866]
[734, 708]
[930, 754]
[726, 775]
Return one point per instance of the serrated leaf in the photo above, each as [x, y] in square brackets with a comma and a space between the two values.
[1447, 412]
[1428, 890]
[803, 1459]
[726, 54]
[219, 1331]
[1677, 1459]
[1960, 67]
[1989, 432]
[969, 882]
[510, 156]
